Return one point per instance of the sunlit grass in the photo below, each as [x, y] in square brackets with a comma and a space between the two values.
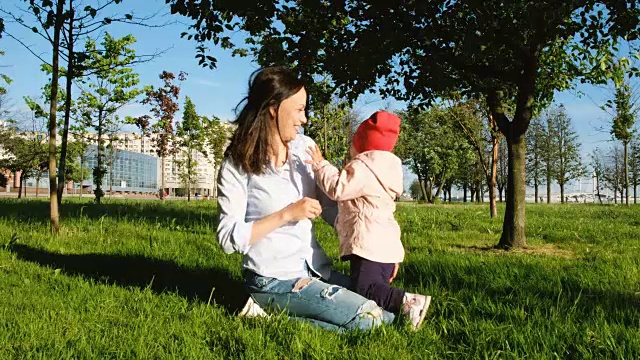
[147, 279]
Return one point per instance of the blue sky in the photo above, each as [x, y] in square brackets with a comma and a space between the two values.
[217, 91]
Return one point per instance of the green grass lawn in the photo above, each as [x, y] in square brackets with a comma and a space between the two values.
[147, 280]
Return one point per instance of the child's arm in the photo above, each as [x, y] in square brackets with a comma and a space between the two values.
[350, 183]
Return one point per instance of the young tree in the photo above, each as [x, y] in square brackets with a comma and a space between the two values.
[549, 149]
[568, 165]
[110, 88]
[78, 147]
[599, 169]
[481, 135]
[25, 154]
[415, 190]
[216, 136]
[34, 130]
[112, 140]
[614, 172]
[626, 109]
[429, 145]
[634, 167]
[190, 139]
[164, 105]
[76, 172]
[535, 168]
[332, 126]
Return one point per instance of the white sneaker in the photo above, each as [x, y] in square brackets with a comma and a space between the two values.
[252, 309]
[415, 309]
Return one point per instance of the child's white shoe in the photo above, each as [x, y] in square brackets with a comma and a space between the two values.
[415, 308]
[252, 309]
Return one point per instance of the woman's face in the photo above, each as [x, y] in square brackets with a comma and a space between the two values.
[291, 115]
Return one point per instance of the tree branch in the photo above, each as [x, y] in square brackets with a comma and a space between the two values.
[28, 48]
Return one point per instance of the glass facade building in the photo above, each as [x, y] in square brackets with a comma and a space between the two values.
[132, 172]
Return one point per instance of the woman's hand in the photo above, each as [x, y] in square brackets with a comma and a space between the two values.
[394, 273]
[316, 155]
[305, 208]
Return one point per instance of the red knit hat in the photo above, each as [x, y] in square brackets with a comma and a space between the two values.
[379, 132]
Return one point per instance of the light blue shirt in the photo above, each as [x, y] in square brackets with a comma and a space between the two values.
[290, 251]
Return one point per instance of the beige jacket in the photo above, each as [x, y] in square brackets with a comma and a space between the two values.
[365, 191]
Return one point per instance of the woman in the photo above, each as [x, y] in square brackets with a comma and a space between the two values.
[267, 198]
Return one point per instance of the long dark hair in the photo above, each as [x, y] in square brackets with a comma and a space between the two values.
[251, 141]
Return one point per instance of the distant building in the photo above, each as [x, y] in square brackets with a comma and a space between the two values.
[129, 172]
[135, 166]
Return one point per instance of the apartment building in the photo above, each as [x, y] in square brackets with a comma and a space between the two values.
[134, 166]
[204, 182]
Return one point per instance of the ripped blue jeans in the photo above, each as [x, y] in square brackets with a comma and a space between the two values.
[329, 305]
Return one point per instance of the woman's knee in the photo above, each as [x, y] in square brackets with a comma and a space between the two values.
[368, 316]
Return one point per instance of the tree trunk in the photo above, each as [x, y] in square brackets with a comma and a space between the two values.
[215, 184]
[53, 104]
[472, 190]
[513, 228]
[324, 128]
[626, 172]
[98, 173]
[19, 182]
[189, 176]
[81, 173]
[163, 187]
[439, 190]
[464, 192]
[38, 176]
[110, 167]
[421, 181]
[67, 107]
[535, 186]
[513, 231]
[548, 183]
[492, 181]
[478, 194]
[562, 201]
[429, 190]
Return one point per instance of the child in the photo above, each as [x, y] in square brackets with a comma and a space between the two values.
[366, 190]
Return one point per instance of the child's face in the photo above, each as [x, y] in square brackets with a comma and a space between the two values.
[353, 152]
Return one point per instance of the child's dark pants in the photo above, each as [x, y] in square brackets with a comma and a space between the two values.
[371, 280]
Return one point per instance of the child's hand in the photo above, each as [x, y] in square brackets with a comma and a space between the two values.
[316, 155]
[394, 273]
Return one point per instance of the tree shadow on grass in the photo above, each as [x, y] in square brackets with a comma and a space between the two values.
[206, 285]
[169, 212]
